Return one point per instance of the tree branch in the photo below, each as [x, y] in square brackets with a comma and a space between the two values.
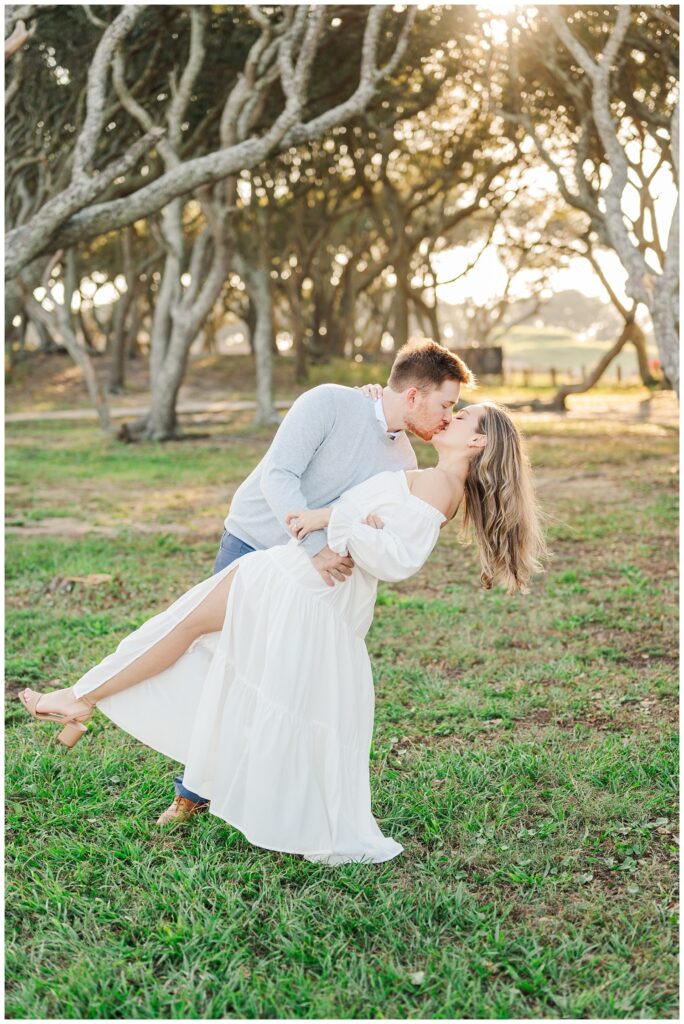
[213, 167]
[112, 38]
[28, 241]
[599, 74]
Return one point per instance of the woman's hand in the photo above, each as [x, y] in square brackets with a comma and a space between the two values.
[374, 521]
[373, 391]
[306, 521]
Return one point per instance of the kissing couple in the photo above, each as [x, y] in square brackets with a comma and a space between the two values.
[258, 679]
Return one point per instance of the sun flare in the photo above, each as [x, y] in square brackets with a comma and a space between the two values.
[498, 8]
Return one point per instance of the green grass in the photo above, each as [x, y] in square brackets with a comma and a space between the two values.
[525, 754]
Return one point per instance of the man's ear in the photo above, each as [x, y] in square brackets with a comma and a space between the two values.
[411, 396]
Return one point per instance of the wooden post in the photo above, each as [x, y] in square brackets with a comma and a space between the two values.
[618, 373]
[553, 377]
[526, 378]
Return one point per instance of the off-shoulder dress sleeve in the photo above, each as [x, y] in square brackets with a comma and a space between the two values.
[393, 553]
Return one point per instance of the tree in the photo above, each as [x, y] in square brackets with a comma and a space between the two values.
[288, 47]
[58, 320]
[571, 241]
[514, 226]
[265, 109]
[597, 95]
[421, 161]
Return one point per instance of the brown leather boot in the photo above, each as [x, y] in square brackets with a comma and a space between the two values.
[181, 809]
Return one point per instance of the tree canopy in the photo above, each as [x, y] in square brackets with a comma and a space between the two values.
[308, 165]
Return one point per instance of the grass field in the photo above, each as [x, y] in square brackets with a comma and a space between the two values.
[525, 755]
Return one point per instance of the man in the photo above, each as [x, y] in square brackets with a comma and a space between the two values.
[331, 439]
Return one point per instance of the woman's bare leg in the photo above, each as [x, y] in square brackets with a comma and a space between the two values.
[208, 617]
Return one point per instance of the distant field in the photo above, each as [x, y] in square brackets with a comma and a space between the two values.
[49, 383]
[540, 348]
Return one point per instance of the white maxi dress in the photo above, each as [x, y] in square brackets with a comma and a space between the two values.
[273, 715]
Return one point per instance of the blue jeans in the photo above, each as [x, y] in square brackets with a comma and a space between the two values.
[229, 549]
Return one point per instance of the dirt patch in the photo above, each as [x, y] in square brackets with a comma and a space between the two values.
[645, 715]
[67, 527]
[46, 383]
[582, 485]
[538, 716]
[628, 717]
[661, 644]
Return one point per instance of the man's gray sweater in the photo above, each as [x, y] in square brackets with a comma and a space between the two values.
[330, 440]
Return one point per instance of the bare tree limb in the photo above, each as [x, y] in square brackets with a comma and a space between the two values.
[111, 39]
[599, 73]
[20, 35]
[368, 80]
[174, 115]
[284, 132]
[25, 243]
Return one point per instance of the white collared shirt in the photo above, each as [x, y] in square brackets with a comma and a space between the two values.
[380, 413]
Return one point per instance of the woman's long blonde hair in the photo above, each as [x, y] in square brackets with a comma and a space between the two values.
[500, 505]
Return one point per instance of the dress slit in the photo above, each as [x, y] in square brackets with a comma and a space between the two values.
[272, 715]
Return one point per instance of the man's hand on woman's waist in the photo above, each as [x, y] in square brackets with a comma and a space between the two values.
[332, 566]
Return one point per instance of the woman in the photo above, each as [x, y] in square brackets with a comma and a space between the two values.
[274, 662]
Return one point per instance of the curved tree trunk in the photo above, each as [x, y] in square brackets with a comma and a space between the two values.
[335, 340]
[14, 305]
[48, 341]
[319, 350]
[117, 366]
[294, 293]
[339, 315]
[178, 318]
[161, 423]
[263, 341]
[433, 315]
[558, 400]
[665, 316]
[13, 308]
[14, 335]
[131, 348]
[428, 316]
[85, 332]
[639, 341]
[77, 346]
[400, 320]
[258, 282]
[60, 323]
[170, 358]
[169, 292]
[251, 321]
